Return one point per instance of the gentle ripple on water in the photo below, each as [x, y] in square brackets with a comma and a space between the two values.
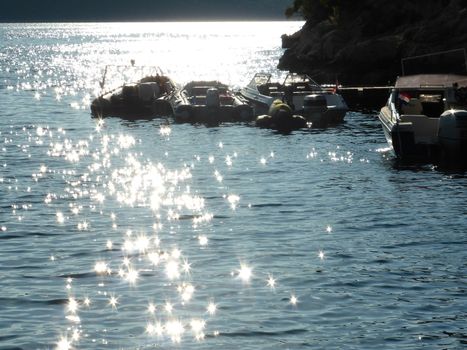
[144, 234]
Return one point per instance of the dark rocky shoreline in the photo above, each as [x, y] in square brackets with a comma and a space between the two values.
[367, 44]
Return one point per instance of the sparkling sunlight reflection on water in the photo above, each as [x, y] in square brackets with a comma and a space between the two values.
[150, 234]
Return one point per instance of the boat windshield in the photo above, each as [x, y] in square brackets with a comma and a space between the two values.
[260, 79]
[295, 79]
[428, 102]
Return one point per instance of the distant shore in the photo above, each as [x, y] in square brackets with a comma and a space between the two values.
[140, 10]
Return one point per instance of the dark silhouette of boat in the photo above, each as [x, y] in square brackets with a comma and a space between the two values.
[147, 97]
[210, 102]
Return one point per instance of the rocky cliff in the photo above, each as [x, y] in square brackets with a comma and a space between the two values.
[366, 42]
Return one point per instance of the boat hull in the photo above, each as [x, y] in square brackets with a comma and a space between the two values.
[147, 98]
[212, 114]
[260, 103]
[104, 107]
[330, 116]
[402, 140]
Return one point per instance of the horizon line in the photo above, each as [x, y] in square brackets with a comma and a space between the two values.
[156, 21]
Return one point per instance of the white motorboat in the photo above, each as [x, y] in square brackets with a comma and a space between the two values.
[306, 97]
[209, 102]
[426, 116]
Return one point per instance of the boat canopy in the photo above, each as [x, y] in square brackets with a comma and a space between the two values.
[431, 81]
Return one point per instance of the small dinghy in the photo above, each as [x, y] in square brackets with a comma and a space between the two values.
[281, 118]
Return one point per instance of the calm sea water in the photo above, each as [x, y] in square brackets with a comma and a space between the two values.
[147, 234]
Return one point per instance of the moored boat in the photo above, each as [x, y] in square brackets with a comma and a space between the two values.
[307, 98]
[147, 97]
[209, 102]
[426, 117]
[280, 117]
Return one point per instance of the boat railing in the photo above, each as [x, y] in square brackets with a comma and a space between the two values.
[130, 73]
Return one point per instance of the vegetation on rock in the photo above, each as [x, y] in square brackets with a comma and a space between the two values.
[362, 42]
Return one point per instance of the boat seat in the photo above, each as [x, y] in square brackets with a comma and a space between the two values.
[200, 100]
[263, 89]
[304, 92]
[199, 90]
[425, 129]
[300, 87]
[414, 106]
[433, 109]
[148, 91]
[269, 88]
[276, 94]
[226, 100]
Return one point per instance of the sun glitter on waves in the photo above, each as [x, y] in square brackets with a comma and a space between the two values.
[211, 308]
[165, 130]
[203, 240]
[101, 267]
[131, 276]
[197, 327]
[233, 199]
[168, 307]
[113, 302]
[152, 308]
[138, 184]
[73, 305]
[271, 282]
[321, 254]
[134, 184]
[172, 270]
[175, 329]
[245, 273]
[64, 344]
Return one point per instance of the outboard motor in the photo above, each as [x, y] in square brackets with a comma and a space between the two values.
[130, 92]
[315, 103]
[452, 134]
[314, 107]
[148, 91]
[212, 98]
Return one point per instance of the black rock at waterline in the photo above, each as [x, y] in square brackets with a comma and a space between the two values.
[366, 44]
